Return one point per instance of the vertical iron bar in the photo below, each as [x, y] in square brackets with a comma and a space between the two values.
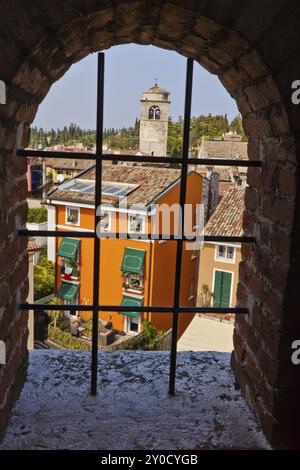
[98, 191]
[183, 187]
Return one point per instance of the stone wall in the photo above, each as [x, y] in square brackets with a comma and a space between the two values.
[13, 276]
[253, 47]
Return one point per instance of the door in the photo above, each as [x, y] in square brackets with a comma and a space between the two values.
[222, 289]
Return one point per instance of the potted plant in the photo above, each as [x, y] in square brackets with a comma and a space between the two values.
[207, 295]
[55, 316]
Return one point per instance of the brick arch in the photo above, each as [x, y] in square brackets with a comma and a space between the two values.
[216, 39]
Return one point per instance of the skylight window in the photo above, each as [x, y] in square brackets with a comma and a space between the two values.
[111, 190]
[80, 186]
[108, 189]
[117, 190]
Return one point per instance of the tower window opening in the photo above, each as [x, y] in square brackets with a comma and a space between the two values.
[154, 112]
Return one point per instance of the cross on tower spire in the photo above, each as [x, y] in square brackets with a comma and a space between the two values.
[155, 81]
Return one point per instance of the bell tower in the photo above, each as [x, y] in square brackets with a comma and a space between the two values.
[154, 122]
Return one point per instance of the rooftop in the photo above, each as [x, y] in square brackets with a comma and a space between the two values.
[32, 246]
[221, 149]
[132, 409]
[149, 183]
[68, 164]
[156, 89]
[63, 163]
[227, 219]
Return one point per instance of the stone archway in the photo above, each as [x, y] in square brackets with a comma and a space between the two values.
[234, 40]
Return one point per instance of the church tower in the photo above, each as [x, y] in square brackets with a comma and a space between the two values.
[154, 122]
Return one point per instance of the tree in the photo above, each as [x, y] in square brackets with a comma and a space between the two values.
[207, 295]
[44, 277]
[209, 126]
[236, 125]
[55, 316]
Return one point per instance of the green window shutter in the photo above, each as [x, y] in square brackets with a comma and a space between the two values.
[226, 285]
[68, 291]
[133, 261]
[222, 289]
[128, 301]
[218, 289]
[68, 248]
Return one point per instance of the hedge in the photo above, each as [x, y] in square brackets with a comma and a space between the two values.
[145, 341]
[66, 340]
[37, 215]
[44, 277]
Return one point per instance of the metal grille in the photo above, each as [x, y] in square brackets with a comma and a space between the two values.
[99, 157]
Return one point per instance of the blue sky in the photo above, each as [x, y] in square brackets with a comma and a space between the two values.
[129, 70]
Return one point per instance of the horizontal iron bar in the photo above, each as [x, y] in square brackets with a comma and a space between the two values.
[160, 236]
[120, 308]
[55, 233]
[56, 154]
[141, 236]
[229, 239]
[140, 159]
[190, 161]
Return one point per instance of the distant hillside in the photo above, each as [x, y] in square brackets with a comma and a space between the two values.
[128, 138]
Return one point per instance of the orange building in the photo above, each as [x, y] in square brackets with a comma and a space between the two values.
[133, 272]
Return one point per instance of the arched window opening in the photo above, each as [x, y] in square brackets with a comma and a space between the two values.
[154, 112]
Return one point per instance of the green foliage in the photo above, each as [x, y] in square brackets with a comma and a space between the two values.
[37, 215]
[44, 277]
[145, 341]
[175, 132]
[133, 343]
[66, 340]
[150, 335]
[207, 295]
[70, 135]
[126, 138]
[209, 126]
[236, 125]
[123, 139]
[56, 316]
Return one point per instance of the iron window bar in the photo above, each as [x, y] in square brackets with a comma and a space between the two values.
[97, 219]
[139, 236]
[212, 161]
[99, 157]
[182, 200]
[119, 308]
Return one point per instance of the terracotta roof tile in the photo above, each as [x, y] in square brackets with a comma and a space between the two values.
[151, 181]
[68, 164]
[33, 246]
[227, 219]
